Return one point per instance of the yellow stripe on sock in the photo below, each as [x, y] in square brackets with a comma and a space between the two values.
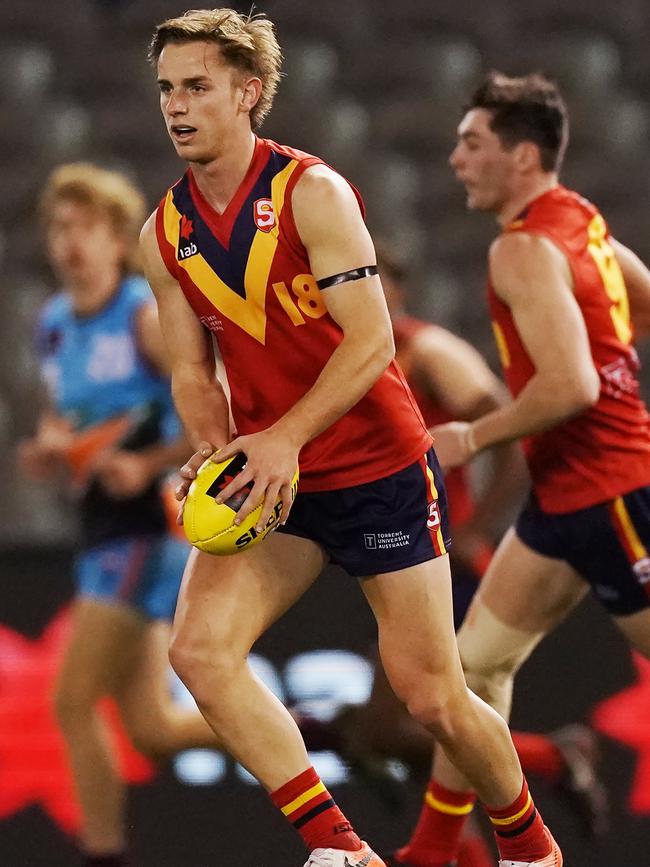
[302, 799]
[449, 809]
[511, 819]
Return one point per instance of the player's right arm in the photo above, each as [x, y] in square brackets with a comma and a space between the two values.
[198, 395]
[532, 277]
[637, 283]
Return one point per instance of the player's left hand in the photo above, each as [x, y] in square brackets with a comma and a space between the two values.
[453, 443]
[271, 464]
[188, 473]
[124, 474]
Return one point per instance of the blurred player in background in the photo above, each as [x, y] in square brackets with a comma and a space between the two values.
[450, 379]
[561, 291]
[265, 247]
[111, 431]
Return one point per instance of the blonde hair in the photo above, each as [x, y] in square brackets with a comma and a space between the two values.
[247, 43]
[108, 193]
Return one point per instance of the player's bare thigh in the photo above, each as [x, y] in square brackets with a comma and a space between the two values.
[414, 612]
[105, 641]
[636, 628]
[232, 600]
[526, 590]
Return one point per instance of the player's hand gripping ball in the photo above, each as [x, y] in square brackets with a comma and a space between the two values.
[210, 526]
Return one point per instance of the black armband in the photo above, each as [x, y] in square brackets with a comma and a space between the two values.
[355, 274]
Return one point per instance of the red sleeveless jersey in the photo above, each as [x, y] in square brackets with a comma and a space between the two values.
[247, 277]
[459, 497]
[605, 451]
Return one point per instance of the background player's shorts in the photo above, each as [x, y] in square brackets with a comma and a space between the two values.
[381, 526]
[607, 544]
[143, 573]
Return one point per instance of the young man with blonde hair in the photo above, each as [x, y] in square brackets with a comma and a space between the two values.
[111, 432]
[264, 249]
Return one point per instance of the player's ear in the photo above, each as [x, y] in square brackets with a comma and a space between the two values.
[527, 156]
[251, 92]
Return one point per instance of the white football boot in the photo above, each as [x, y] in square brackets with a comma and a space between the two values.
[363, 857]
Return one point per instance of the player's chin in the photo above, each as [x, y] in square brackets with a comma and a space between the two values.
[185, 149]
[476, 203]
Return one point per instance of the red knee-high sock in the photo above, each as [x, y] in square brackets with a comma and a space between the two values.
[310, 808]
[539, 755]
[436, 838]
[519, 829]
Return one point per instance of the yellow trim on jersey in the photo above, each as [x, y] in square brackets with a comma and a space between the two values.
[502, 345]
[514, 818]
[434, 494]
[449, 809]
[635, 543]
[318, 789]
[248, 312]
[265, 244]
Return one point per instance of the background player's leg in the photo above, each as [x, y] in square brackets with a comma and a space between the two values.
[157, 725]
[101, 649]
[636, 628]
[530, 594]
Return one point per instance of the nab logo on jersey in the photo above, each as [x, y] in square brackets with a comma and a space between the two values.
[263, 214]
[186, 246]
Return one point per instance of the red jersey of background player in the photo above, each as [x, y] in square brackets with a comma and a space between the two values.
[604, 451]
[247, 276]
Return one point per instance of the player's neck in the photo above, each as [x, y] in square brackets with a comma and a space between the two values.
[220, 179]
[89, 296]
[524, 196]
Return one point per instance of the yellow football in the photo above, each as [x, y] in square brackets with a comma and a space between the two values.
[210, 526]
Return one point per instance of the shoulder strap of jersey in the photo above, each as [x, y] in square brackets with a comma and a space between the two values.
[305, 161]
[165, 213]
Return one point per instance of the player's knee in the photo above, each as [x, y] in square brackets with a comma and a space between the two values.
[434, 700]
[491, 678]
[495, 690]
[492, 653]
[149, 740]
[203, 665]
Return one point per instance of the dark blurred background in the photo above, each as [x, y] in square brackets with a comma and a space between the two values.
[376, 88]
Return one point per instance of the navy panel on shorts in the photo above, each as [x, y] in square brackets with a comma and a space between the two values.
[382, 526]
[606, 544]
